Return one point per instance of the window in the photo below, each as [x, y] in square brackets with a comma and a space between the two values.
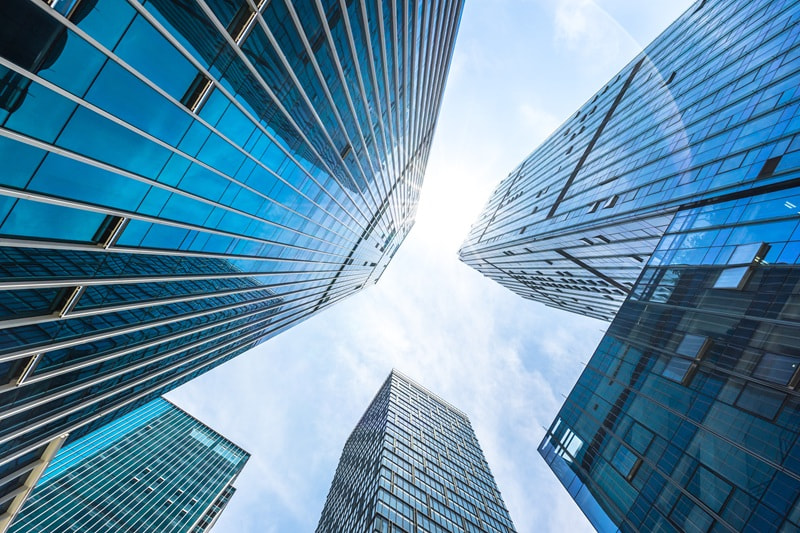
[776, 368]
[677, 369]
[733, 278]
[626, 462]
[611, 202]
[29, 367]
[197, 94]
[110, 230]
[693, 346]
[760, 400]
[639, 438]
[737, 276]
[682, 367]
[746, 254]
[769, 167]
[710, 488]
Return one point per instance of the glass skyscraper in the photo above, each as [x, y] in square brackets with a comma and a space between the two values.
[707, 112]
[684, 196]
[413, 464]
[181, 180]
[156, 469]
[687, 417]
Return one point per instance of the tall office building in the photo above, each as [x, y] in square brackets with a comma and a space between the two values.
[413, 464]
[183, 179]
[687, 416]
[156, 469]
[707, 112]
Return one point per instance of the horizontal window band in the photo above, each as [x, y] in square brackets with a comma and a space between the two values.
[188, 56]
[101, 310]
[274, 317]
[10, 356]
[106, 166]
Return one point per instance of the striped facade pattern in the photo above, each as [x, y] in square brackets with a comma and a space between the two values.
[705, 112]
[183, 179]
[413, 464]
[156, 469]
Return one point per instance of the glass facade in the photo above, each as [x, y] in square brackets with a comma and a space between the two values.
[156, 469]
[182, 180]
[687, 416]
[413, 464]
[706, 112]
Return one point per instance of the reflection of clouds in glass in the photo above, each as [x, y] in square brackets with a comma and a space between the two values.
[586, 29]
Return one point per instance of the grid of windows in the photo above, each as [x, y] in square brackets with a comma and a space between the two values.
[413, 464]
[686, 417]
[709, 110]
[688, 414]
[184, 179]
[156, 469]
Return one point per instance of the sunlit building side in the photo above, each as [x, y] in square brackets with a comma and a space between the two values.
[687, 416]
[706, 112]
[181, 180]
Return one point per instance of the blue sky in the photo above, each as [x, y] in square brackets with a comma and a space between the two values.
[520, 69]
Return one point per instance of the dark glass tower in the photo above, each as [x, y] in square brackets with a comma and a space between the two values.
[687, 416]
[184, 179]
[156, 469]
[708, 111]
[413, 464]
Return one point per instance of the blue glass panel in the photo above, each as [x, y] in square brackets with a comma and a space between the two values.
[31, 219]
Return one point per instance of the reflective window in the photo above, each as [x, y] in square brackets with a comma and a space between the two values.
[732, 278]
[626, 462]
[677, 369]
[777, 368]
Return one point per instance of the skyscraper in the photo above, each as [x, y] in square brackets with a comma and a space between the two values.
[686, 417]
[705, 113]
[182, 180]
[155, 469]
[412, 464]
